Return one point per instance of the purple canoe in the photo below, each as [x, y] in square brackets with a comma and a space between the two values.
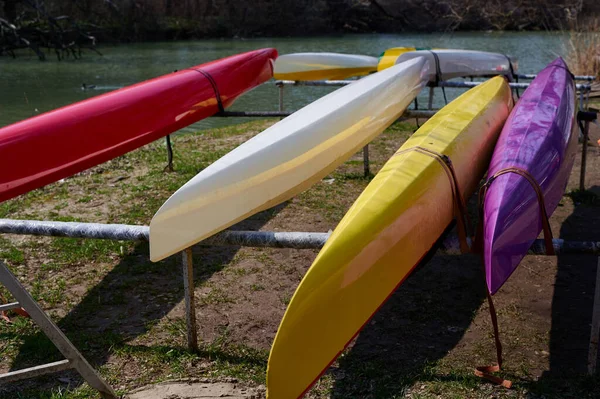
[539, 136]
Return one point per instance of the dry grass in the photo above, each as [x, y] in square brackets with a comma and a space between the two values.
[583, 48]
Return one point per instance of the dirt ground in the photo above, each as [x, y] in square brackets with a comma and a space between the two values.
[127, 315]
[195, 389]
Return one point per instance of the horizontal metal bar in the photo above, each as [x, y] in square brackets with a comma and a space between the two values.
[577, 77]
[251, 114]
[451, 246]
[406, 114]
[9, 306]
[121, 232]
[35, 371]
[313, 82]
[459, 84]
[444, 83]
[299, 240]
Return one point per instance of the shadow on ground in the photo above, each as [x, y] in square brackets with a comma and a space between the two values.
[430, 314]
[572, 305]
[128, 301]
[425, 318]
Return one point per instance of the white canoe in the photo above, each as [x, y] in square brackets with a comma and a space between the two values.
[462, 63]
[323, 66]
[285, 159]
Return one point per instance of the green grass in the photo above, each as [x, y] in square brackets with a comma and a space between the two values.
[10, 254]
[112, 276]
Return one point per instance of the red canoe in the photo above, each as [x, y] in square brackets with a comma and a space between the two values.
[60, 143]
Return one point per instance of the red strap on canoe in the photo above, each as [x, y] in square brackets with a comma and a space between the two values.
[460, 207]
[485, 371]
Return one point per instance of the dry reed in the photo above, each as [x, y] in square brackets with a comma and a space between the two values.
[583, 48]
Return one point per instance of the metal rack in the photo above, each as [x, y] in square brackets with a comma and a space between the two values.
[74, 359]
[297, 240]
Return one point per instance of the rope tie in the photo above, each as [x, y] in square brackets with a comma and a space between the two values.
[417, 108]
[566, 69]
[513, 75]
[215, 88]
[478, 247]
[438, 74]
[485, 371]
[460, 208]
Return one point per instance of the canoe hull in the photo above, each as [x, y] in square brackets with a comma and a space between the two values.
[461, 63]
[60, 143]
[323, 66]
[388, 57]
[539, 137]
[285, 159]
[384, 235]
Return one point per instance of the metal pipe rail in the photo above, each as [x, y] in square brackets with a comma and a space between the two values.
[409, 113]
[458, 84]
[444, 83]
[589, 78]
[297, 240]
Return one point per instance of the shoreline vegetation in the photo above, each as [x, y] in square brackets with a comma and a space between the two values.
[67, 27]
[583, 52]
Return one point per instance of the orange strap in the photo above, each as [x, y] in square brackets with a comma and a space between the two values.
[19, 311]
[485, 371]
[460, 207]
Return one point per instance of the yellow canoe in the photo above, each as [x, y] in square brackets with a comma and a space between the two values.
[388, 57]
[323, 66]
[388, 230]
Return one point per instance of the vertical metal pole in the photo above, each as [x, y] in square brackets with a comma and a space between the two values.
[366, 160]
[188, 292]
[587, 99]
[430, 104]
[586, 129]
[580, 109]
[595, 333]
[280, 98]
[169, 166]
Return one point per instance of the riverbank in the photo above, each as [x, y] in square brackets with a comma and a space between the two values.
[154, 20]
[126, 314]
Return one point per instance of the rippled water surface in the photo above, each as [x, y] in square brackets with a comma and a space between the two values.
[29, 87]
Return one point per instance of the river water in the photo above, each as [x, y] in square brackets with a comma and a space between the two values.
[29, 87]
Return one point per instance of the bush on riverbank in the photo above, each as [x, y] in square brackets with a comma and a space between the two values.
[583, 54]
[133, 20]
